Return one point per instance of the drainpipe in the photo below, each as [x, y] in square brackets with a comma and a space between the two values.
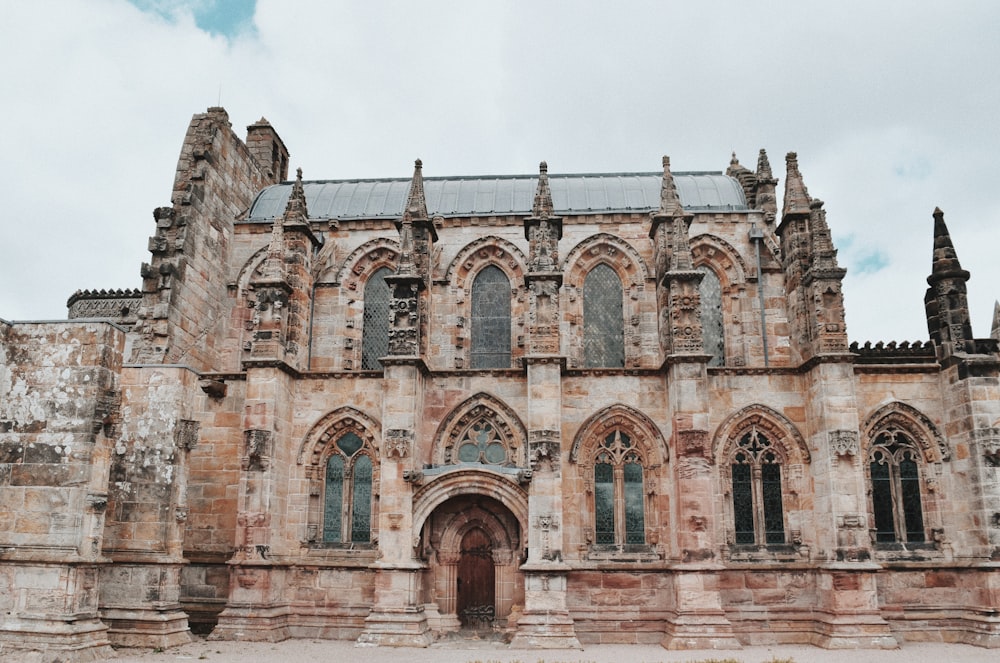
[757, 235]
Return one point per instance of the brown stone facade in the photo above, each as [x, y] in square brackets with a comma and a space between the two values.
[566, 423]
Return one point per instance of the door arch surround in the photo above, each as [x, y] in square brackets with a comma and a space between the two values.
[474, 539]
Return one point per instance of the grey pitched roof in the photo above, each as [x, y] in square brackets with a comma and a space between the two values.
[502, 196]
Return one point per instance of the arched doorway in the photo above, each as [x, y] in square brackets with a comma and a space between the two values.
[474, 542]
[475, 586]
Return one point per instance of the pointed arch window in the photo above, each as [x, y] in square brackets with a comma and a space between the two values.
[712, 331]
[347, 497]
[894, 470]
[490, 319]
[375, 321]
[758, 514]
[619, 513]
[603, 319]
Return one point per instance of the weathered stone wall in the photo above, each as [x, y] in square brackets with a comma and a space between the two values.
[59, 412]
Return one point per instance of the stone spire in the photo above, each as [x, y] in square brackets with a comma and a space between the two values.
[296, 211]
[764, 189]
[416, 202]
[670, 202]
[995, 331]
[542, 208]
[796, 195]
[946, 304]
[824, 255]
[944, 264]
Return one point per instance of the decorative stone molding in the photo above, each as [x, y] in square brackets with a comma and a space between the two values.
[844, 442]
[398, 442]
[415, 477]
[778, 429]
[914, 423]
[634, 423]
[482, 406]
[181, 513]
[693, 442]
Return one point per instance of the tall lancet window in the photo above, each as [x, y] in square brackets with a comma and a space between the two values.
[491, 319]
[375, 323]
[711, 317]
[618, 494]
[603, 319]
[895, 489]
[347, 499]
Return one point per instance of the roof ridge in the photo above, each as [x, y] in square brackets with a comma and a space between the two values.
[441, 178]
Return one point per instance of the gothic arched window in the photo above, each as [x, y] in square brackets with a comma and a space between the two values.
[895, 489]
[710, 290]
[347, 498]
[603, 319]
[619, 515]
[491, 319]
[758, 516]
[375, 322]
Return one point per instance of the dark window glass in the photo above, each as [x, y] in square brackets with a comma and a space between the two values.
[743, 503]
[375, 322]
[334, 496]
[635, 527]
[774, 523]
[710, 290]
[603, 321]
[604, 502]
[349, 444]
[491, 319]
[885, 529]
[361, 504]
[910, 491]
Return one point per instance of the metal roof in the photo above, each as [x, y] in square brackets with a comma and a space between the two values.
[502, 196]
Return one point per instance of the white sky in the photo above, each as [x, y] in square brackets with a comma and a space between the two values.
[891, 106]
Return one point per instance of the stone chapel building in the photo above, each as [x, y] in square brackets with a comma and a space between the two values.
[567, 408]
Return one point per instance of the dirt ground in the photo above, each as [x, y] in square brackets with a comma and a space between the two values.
[471, 651]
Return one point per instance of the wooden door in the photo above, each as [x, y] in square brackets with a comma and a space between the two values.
[476, 604]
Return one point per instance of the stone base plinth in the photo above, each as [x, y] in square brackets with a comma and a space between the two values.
[854, 632]
[396, 627]
[252, 623]
[545, 630]
[147, 628]
[707, 631]
[52, 641]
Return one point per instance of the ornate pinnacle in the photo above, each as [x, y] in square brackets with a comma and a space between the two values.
[796, 195]
[542, 208]
[670, 202]
[763, 166]
[416, 202]
[296, 210]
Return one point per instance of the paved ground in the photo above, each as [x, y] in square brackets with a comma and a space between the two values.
[471, 651]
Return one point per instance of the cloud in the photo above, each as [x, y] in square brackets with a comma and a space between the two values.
[886, 104]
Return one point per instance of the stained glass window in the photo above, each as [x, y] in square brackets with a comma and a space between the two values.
[758, 515]
[619, 498]
[347, 499]
[895, 489]
[491, 319]
[710, 290]
[603, 320]
[375, 322]
[481, 444]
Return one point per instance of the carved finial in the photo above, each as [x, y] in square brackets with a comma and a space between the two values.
[542, 207]
[796, 195]
[298, 174]
[416, 203]
[734, 161]
[670, 202]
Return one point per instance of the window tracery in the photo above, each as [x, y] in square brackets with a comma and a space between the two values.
[375, 321]
[347, 494]
[619, 513]
[755, 472]
[491, 326]
[896, 502]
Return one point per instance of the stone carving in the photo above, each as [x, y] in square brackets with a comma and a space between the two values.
[257, 450]
[398, 442]
[543, 449]
[844, 442]
[181, 513]
[416, 477]
[693, 442]
[97, 502]
[186, 434]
